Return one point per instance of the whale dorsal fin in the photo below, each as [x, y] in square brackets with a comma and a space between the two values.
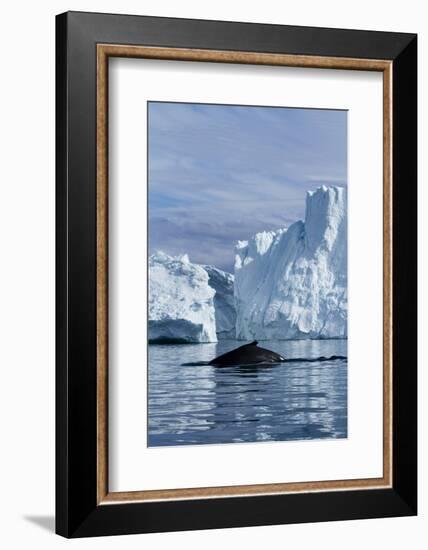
[253, 343]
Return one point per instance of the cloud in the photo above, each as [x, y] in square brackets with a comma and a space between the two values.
[221, 173]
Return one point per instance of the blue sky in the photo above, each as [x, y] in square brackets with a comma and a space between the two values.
[220, 173]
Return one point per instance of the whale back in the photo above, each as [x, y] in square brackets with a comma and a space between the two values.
[248, 354]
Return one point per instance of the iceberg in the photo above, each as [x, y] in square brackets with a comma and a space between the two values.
[224, 302]
[181, 302]
[292, 283]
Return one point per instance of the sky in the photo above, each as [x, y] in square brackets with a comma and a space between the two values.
[221, 173]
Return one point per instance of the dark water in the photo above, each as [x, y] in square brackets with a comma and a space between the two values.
[202, 404]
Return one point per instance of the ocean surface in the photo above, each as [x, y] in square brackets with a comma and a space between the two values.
[201, 404]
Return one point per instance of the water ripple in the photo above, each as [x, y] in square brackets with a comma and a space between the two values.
[202, 404]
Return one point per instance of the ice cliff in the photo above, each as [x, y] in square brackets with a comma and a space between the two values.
[189, 302]
[292, 283]
[289, 283]
[181, 302]
[224, 301]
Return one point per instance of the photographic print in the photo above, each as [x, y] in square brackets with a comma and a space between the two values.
[247, 276]
[205, 240]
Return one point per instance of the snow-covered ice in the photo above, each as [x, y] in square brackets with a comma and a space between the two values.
[292, 283]
[224, 301]
[181, 302]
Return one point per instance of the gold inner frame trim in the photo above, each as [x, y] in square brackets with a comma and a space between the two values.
[104, 51]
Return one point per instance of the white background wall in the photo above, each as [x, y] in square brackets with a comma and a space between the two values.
[27, 271]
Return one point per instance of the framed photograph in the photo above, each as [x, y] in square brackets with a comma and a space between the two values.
[236, 274]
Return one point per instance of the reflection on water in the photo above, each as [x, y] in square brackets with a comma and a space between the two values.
[202, 404]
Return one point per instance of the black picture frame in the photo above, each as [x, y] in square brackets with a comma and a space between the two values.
[77, 512]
